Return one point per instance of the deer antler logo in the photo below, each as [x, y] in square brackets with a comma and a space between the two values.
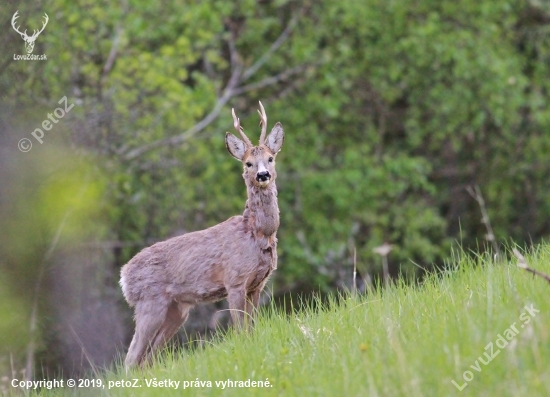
[29, 40]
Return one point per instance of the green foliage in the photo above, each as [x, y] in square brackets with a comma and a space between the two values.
[13, 327]
[391, 109]
[51, 203]
[396, 108]
[409, 340]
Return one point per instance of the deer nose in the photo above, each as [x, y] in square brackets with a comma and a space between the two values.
[263, 176]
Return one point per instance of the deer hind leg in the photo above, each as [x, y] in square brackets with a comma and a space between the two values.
[150, 316]
[175, 317]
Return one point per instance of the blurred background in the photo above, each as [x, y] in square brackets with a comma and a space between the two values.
[391, 109]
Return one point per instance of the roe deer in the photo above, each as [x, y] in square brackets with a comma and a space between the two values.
[232, 259]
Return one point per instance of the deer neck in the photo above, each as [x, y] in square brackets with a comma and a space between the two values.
[261, 213]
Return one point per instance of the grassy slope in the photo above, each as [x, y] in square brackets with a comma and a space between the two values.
[410, 341]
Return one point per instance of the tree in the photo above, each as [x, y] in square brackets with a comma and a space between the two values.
[391, 110]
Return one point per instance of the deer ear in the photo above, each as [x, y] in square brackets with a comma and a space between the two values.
[275, 138]
[235, 146]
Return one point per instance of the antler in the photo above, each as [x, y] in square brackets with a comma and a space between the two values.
[16, 28]
[35, 33]
[43, 25]
[263, 123]
[237, 125]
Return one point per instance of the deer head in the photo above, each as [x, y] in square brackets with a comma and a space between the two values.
[258, 161]
[29, 40]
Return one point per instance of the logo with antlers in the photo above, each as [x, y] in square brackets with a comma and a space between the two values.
[29, 40]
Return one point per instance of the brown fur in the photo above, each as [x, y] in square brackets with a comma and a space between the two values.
[231, 260]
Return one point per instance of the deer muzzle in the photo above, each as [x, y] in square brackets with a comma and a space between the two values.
[263, 176]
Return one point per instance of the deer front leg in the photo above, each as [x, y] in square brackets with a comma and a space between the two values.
[236, 298]
[251, 306]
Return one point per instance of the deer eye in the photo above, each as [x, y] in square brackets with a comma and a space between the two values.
[248, 164]
[270, 159]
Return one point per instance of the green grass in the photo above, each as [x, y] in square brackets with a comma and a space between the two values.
[404, 341]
